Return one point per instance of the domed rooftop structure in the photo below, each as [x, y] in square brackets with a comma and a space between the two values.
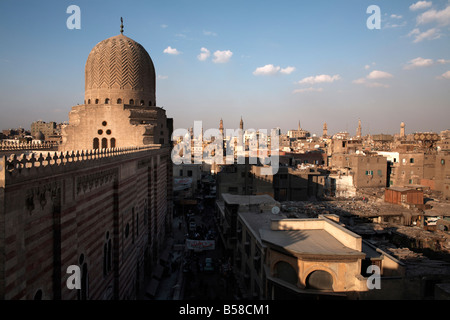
[120, 71]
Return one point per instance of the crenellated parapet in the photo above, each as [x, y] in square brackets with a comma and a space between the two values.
[13, 146]
[38, 164]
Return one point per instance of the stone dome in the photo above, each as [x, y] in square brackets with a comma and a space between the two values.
[120, 71]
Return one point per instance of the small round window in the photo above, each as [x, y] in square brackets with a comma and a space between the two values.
[100, 131]
[104, 123]
[108, 132]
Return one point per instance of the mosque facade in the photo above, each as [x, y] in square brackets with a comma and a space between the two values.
[103, 202]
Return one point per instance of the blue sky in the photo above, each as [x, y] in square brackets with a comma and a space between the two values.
[272, 62]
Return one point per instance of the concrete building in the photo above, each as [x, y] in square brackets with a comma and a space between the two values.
[279, 258]
[368, 171]
[41, 127]
[104, 202]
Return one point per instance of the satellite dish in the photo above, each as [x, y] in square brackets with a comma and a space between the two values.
[275, 210]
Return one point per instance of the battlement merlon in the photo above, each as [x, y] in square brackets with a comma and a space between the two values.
[37, 164]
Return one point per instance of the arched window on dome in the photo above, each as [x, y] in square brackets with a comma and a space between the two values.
[131, 102]
[113, 142]
[95, 145]
[106, 101]
[119, 101]
[104, 143]
[96, 101]
[142, 102]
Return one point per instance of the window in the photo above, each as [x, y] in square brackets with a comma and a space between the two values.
[189, 173]
[181, 172]
[38, 295]
[104, 123]
[411, 160]
[100, 132]
[119, 101]
[83, 294]
[247, 243]
[319, 280]
[131, 101]
[137, 224]
[142, 102]
[149, 103]
[96, 101]
[442, 161]
[104, 143]
[380, 173]
[113, 143]
[89, 101]
[127, 230]
[95, 144]
[107, 255]
[370, 173]
[106, 101]
[286, 272]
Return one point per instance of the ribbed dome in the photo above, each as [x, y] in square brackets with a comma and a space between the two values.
[119, 70]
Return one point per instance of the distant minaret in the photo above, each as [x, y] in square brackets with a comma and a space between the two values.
[359, 131]
[299, 127]
[325, 130]
[402, 130]
[221, 127]
[241, 125]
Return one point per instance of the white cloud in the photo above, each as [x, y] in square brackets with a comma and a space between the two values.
[370, 84]
[222, 56]
[445, 75]
[268, 69]
[311, 89]
[209, 33]
[360, 81]
[440, 17]
[204, 54]
[367, 67]
[396, 16]
[170, 50]
[324, 78]
[420, 5]
[430, 34]
[164, 26]
[419, 62]
[376, 74]
[287, 70]
[161, 77]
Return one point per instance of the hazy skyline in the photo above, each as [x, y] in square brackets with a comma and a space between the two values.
[274, 63]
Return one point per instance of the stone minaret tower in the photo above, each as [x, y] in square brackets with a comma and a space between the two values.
[402, 130]
[221, 127]
[325, 130]
[241, 125]
[359, 131]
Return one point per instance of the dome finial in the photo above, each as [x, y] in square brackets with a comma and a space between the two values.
[121, 25]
